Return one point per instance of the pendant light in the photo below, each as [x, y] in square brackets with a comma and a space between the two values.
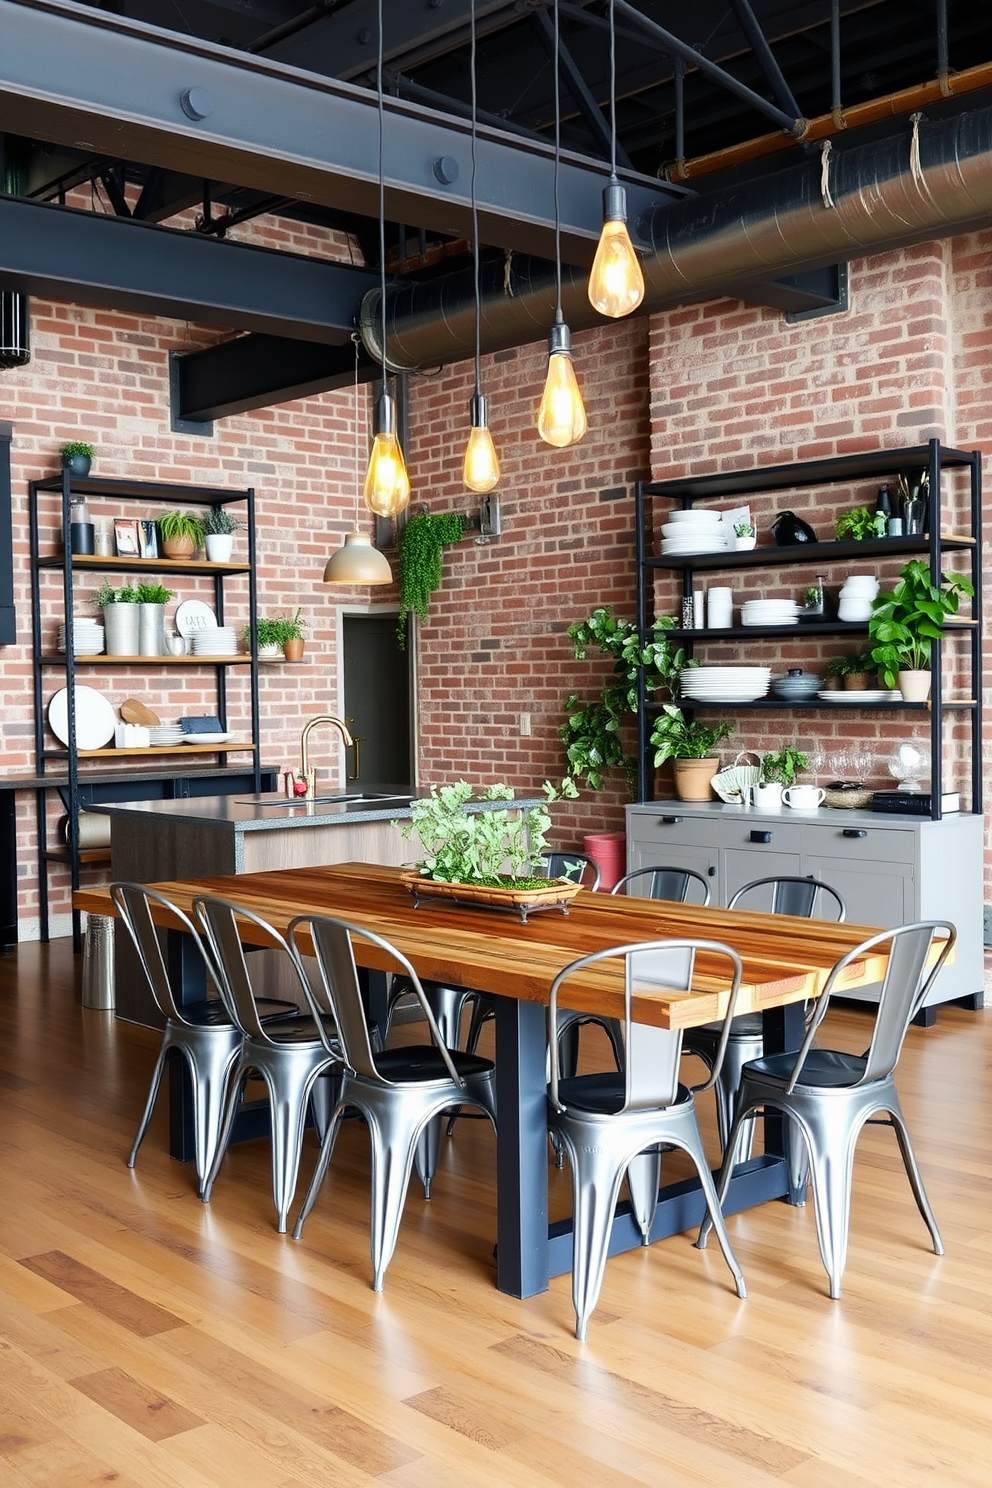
[616, 284]
[357, 562]
[387, 485]
[480, 468]
[561, 416]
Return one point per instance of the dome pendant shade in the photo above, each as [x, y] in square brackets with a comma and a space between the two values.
[387, 485]
[357, 562]
[561, 417]
[616, 284]
[480, 469]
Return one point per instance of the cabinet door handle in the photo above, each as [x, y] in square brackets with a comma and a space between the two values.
[854, 832]
[673, 821]
[761, 836]
[711, 871]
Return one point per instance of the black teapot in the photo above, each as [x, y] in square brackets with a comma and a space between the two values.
[789, 530]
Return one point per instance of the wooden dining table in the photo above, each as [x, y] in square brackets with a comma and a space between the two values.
[785, 960]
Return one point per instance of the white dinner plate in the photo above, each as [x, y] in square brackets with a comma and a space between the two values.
[205, 738]
[194, 615]
[859, 699]
[95, 718]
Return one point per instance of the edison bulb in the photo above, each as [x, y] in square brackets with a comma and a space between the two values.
[480, 470]
[387, 485]
[616, 284]
[561, 418]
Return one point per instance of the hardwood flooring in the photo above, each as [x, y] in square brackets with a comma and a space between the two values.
[154, 1342]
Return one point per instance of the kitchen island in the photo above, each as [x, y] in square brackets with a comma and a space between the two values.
[153, 841]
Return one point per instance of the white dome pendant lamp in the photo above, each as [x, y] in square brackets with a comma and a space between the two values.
[357, 561]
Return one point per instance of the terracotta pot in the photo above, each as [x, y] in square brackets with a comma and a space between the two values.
[914, 686]
[293, 649]
[178, 547]
[857, 682]
[692, 778]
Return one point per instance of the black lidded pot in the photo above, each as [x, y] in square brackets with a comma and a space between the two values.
[789, 530]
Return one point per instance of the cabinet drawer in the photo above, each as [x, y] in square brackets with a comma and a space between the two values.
[676, 829]
[885, 845]
[766, 833]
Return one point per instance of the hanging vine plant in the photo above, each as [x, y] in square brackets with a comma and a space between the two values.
[421, 549]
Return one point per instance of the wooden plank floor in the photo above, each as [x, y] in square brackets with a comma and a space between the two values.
[152, 1341]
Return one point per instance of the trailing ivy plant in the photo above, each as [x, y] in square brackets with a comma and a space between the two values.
[592, 730]
[462, 846]
[421, 547]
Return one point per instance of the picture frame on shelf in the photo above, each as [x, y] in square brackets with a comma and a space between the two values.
[148, 538]
[126, 537]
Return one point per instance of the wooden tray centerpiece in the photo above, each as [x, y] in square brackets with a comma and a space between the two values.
[481, 850]
[556, 893]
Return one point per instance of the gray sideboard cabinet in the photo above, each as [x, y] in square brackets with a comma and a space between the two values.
[890, 869]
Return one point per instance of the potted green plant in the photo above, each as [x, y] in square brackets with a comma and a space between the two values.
[120, 619]
[781, 766]
[421, 546]
[475, 847]
[689, 745]
[745, 536]
[182, 533]
[76, 457]
[593, 731]
[854, 672]
[857, 524]
[291, 629]
[219, 529]
[906, 620]
[152, 600]
[269, 638]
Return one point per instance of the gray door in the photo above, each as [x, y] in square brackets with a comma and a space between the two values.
[377, 688]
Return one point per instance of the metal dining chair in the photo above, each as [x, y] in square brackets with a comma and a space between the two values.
[290, 1056]
[829, 1095]
[806, 898]
[673, 884]
[611, 1124]
[203, 1032]
[399, 1092]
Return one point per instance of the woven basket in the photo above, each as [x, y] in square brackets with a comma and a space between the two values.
[851, 800]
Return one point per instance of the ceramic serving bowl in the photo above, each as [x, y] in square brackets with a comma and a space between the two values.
[796, 685]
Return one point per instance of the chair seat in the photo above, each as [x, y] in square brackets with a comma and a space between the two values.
[211, 1012]
[745, 1026]
[601, 1093]
[423, 1062]
[301, 1029]
[821, 1068]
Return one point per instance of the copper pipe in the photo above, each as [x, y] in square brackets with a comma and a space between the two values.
[891, 106]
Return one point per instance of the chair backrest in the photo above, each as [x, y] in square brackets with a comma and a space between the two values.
[133, 902]
[223, 921]
[806, 898]
[664, 883]
[335, 956]
[909, 974]
[651, 1065]
[576, 867]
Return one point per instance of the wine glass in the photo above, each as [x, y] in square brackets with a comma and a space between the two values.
[817, 757]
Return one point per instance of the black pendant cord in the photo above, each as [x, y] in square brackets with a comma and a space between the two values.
[613, 91]
[558, 314]
[356, 342]
[475, 215]
[382, 199]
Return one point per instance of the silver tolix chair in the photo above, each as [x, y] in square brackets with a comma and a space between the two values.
[399, 1092]
[203, 1032]
[829, 1094]
[611, 1124]
[290, 1056]
[673, 884]
[806, 898]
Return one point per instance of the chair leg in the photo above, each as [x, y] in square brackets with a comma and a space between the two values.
[643, 1182]
[689, 1140]
[234, 1092]
[725, 1090]
[726, 1171]
[149, 1104]
[428, 1151]
[392, 1162]
[913, 1174]
[320, 1171]
[287, 1113]
[596, 1180]
[209, 1080]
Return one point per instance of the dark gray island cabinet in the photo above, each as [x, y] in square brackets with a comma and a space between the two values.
[890, 870]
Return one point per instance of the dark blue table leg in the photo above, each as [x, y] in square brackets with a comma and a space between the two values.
[521, 1148]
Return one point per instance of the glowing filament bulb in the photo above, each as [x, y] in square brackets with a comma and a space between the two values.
[616, 284]
[387, 484]
[480, 470]
[561, 417]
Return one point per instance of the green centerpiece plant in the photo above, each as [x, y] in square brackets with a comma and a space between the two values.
[493, 847]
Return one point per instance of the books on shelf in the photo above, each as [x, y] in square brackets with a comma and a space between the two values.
[913, 803]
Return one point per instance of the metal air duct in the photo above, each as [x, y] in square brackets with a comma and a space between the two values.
[931, 181]
[15, 345]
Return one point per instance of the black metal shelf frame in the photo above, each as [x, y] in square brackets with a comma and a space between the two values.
[936, 458]
[149, 493]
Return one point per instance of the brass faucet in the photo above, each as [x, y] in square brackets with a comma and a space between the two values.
[308, 772]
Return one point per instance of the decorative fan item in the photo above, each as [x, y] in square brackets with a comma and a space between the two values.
[734, 784]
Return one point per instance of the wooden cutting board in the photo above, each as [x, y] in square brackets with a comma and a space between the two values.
[134, 711]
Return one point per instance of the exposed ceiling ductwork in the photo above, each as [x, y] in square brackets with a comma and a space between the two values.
[932, 181]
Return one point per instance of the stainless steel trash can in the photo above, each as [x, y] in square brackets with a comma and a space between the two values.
[98, 963]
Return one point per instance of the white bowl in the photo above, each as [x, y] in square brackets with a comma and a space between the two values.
[853, 609]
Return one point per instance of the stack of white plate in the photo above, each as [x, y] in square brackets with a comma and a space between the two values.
[693, 531]
[221, 640]
[166, 735]
[724, 684]
[769, 612]
[87, 637]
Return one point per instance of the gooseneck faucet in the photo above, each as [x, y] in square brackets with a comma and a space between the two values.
[308, 772]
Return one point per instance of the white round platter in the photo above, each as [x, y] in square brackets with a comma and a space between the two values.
[95, 717]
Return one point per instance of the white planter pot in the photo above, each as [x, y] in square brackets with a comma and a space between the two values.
[914, 686]
[120, 623]
[270, 653]
[220, 546]
[744, 544]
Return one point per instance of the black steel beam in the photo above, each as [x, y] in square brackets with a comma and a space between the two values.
[94, 259]
[257, 371]
[111, 86]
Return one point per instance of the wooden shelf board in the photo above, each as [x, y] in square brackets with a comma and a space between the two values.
[154, 750]
[241, 659]
[158, 565]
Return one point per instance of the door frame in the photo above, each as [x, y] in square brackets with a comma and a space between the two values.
[379, 611]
